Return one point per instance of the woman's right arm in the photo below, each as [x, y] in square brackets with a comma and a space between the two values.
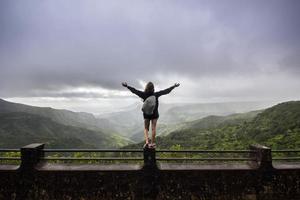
[133, 90]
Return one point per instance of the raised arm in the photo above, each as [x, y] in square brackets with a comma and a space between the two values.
[168, 90]
[133, 90]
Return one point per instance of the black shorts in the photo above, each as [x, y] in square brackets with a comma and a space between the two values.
[155, 115]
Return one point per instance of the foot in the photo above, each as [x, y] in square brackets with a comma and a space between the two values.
[152, 145]
[146, 145]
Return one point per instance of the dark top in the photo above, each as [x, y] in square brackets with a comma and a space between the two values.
[145, 95]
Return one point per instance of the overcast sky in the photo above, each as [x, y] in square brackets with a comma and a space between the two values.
[74, 54]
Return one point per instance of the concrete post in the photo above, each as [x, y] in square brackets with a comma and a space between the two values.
[150, 175]
[263, 156]
[30, 156]
[149, 157]
[265, 170]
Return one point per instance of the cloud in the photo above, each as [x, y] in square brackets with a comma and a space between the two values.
[222, 50]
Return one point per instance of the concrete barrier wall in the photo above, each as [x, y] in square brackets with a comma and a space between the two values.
[36, 180]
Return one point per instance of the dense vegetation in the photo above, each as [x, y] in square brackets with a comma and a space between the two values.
[277, 127]
[129, 122]
[19, 129]
[22, 124]
[66, 117]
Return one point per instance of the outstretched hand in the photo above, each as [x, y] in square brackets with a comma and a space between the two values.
[124, 84]
[176, 84]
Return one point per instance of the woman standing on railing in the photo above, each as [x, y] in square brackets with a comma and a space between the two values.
[150, 108]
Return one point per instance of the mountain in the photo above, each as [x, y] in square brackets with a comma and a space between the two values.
[125, 122]
[66, 117]
[129, 122]
[19, 129]
[215, 121]
[193, 111]
[78, 122]
[277, 127]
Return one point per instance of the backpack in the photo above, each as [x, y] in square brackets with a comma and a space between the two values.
[149, 105]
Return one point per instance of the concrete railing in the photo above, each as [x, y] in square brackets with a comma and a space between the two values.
[258, 178]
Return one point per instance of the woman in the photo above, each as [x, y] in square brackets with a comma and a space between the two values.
[149, 91]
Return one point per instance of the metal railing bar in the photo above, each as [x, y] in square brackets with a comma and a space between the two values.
[286, 151]
[205, 151]
[9, 150]
[186, 152]
[287, 158]
[140, 150]
[94, 150]
[10, 158]
[90, 158]
[207, 159]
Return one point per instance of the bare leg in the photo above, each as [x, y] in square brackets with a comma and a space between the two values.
[146, 129]
[153, 127]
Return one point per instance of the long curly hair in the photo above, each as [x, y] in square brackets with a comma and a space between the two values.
[149, 88]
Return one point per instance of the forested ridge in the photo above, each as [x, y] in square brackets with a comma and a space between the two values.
[277, 127]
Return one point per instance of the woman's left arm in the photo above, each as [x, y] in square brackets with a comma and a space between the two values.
[168, 90]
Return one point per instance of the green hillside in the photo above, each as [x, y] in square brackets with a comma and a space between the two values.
[66, 117]
[277, 127]
[80, 120]
[129, 122]
[19, 129]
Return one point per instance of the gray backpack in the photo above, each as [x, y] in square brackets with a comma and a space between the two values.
[149, 105]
